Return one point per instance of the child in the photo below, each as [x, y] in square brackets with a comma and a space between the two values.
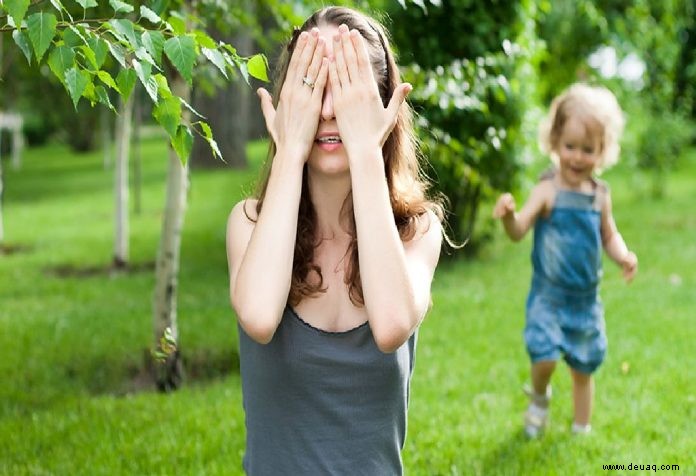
[571, 213]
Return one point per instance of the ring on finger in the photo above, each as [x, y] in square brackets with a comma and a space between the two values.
[308, 82]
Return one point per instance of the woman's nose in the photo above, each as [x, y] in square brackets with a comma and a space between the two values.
[327, 109]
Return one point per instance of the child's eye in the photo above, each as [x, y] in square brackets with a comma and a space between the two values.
[588, 150]
[569, 146]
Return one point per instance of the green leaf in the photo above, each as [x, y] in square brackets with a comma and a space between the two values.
[89, 54]
[143, 70]
[42, 29]
[100, 49]
[90, 92]
[103, 97]
[142, 54]
[257, 67]
[204, 40]
[125, 31]
[59, 6]
[23, 42]
[168, 114]
[120, 7]
[181, 51]
[76, 83]
[208, 135]
[60, 60]
[72, 37]
[183, 143]
[149, 15]
[106, 78]
[118, 52]
[190, 108]
[153, 41]
[215, 57]
[87, 3]
[126, 81]
[176, 23]
[17, 9]
[162, 86]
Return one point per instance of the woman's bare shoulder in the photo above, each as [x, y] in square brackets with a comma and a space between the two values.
[244, 210]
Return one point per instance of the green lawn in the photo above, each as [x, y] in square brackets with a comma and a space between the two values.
[71, 346]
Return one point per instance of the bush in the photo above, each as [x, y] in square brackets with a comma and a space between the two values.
[471, 67]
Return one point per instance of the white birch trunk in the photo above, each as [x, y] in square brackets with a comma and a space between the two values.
[169, 373]
[121, 228]
[2, 227]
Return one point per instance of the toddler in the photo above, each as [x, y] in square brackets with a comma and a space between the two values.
[571, 212]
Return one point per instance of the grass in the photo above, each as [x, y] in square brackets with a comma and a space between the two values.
[71, 346]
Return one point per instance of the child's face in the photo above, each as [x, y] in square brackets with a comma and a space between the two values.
[579, 149]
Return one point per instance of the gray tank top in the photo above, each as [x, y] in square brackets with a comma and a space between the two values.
[323, 403]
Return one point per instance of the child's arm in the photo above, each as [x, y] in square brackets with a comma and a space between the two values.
[518, 224]
[614, 243]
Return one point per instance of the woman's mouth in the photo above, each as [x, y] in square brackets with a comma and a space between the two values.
[329, 143]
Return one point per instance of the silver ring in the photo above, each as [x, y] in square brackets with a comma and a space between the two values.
[308, 82]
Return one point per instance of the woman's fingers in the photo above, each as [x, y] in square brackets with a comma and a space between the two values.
[361, 54]
[268, 110]
[322, 78]
[349, 53]
[316, 62]
[339, 59]
[396, 101]
[293, 74]
[308, 53]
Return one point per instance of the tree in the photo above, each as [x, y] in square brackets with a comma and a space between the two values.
[84, 55]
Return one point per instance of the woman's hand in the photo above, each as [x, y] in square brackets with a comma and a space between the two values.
[363, 121]
[294, 123]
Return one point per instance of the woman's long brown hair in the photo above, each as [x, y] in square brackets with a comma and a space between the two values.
[407, 184]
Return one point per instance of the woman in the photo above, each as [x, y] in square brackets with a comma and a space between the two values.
[331, 265]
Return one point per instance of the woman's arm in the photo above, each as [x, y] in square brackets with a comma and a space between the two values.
[258, 295]
[261, 255]
[395, 276]
[614, 243]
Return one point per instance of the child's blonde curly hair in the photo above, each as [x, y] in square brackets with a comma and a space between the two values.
[601, 112]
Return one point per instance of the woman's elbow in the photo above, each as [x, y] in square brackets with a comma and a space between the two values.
[390, 337]
[258, 326]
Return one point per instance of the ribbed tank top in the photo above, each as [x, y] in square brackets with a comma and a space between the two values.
[323, 403]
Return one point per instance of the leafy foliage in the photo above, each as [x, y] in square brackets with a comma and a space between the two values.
[473, 96]
[86, 55]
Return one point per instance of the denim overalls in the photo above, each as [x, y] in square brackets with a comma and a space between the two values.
[564, 314]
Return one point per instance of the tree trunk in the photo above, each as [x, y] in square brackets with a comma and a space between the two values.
[123, 137]
[105, 126]
[2, 191]
[227, 112]
[169, 373]
[137, 155]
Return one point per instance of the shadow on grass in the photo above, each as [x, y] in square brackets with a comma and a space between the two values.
[7, 249]
[200, 366]
[520, 455]
[114, 269]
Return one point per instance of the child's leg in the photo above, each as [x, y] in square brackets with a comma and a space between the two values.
[541, 375]
[583, 390]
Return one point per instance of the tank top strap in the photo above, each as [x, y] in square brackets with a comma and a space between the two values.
[601, 191]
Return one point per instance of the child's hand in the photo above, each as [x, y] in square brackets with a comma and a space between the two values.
[630, 266]
[504, 206]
